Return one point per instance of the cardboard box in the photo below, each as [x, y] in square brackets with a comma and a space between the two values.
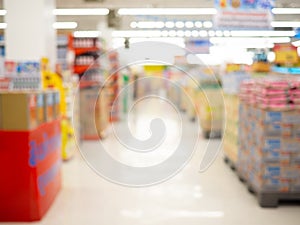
[18, 111]
[269, 184]
[270, 155]
[273, 129]
[295, 186]
[296, 131]
[267, 117]
[276, 170]
[295, 157]
[288, 145]
[285, 117]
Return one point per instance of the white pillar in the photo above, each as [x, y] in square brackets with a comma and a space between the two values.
[106, 33]
[29, 34]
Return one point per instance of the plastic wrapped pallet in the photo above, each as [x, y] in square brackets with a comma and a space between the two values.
[269, 141]
[210, 107]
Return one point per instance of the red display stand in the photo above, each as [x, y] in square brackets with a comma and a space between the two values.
[30, 175]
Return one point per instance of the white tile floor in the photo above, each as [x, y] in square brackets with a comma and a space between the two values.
[213, 197]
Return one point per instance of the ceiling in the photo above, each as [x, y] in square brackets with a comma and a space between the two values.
[91, 22]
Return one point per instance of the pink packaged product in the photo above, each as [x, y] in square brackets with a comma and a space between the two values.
[295, 97]
[295, 100]
[294, 92]
[276, 107]
[270, 92]
[296, 83]
[247, 86]
[280, 100]
[280, 84]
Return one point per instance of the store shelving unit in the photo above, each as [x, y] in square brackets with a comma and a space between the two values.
[86, 53]
[113, 86]
[92, 73]
[62, 51]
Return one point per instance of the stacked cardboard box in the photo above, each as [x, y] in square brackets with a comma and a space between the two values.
[269, 141]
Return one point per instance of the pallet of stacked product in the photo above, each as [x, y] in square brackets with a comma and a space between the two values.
[269, 144]
[210, 111]
[231, 81]
[230, 140]
[188, 100]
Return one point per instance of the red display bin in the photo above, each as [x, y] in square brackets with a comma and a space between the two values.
[30, 174]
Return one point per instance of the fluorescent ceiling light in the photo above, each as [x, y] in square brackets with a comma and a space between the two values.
[147, 24]
[296, 43]
[261, 33]
[81, 12]
[165, 33]
[170, 40]
[119, 42]
[211, 33]
[3, 25]
[203, 33]
[88, 33]
[285, 24]
[189, 24]
[64, 25]
[179, 24]
[167, 11]
[207, 24]
[219, 33]
[195, 33]
[133, 24]
[172, 33]
[198, 24]
[286, 10]
[3, 12]
[136, 33]
[188, 33]
[180, 33]
[169, 24]
[242, 42]
[226, 33]
[248, 42]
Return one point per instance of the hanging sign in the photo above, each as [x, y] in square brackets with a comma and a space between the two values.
[285, 54]
[243, 14]
[198, 46]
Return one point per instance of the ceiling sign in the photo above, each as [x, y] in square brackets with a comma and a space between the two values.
[285, 54]
[243, 14]
[198, 46]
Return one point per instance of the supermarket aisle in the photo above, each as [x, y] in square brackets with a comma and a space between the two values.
[213, 197]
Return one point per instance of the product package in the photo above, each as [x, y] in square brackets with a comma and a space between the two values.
[18, 111]
[49, 106]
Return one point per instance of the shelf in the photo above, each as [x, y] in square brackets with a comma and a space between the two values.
[85, 84]
[79, 69]
[62, 45]
[90, 137]
[79, 51]
[286, 70]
